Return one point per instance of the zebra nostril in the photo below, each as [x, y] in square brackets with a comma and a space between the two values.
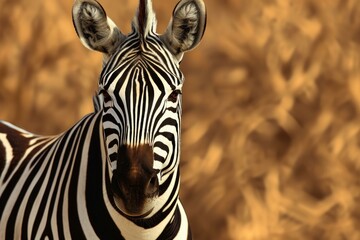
[153, 186]
[117, 187]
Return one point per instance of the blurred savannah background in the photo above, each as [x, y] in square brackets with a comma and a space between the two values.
[271, 108]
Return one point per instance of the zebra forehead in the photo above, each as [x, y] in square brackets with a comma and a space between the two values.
[150, 45]
[141, 70]
[141, 79]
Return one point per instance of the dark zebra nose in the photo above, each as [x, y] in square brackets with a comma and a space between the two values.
[134, 181]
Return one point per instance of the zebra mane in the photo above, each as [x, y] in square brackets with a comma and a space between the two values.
[144, 20]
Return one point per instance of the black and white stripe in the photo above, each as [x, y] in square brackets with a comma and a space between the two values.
[114, 174]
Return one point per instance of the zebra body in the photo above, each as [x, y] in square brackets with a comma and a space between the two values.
[114, 174]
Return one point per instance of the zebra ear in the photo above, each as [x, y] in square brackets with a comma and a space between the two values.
[95, 30]
[186, 27]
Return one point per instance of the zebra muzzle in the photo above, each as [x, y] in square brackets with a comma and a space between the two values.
[135, 183]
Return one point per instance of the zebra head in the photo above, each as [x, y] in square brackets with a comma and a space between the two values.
[140, 98]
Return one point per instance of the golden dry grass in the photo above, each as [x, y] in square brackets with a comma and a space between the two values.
[271, 123]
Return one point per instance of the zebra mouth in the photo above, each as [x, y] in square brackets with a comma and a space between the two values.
[133, 214]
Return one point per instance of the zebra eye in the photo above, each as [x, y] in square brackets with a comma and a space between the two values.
[174, 95]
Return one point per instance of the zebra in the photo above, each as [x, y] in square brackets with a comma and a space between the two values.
[115, 173]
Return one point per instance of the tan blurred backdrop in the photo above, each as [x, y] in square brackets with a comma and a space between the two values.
[271, 123]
